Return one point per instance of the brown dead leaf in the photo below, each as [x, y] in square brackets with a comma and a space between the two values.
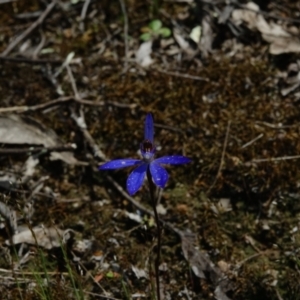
[98, 277]
[47, 238]
[23, 130]
[182, 209]
[203, 267]
[280, 39]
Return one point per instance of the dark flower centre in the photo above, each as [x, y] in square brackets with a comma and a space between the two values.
[147, 146]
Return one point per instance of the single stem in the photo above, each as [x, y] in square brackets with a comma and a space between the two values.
[157, 260]
[155, 8]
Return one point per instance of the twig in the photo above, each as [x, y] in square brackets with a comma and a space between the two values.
[21, 109]
[273, 126]
[80, 121]
[63, 100]
[30, 60]
[171, 128]
[187, 293]
[36, 149]
[34, 273]
[32, 27]
[40, 46]
[73, 83]
[90, 275]
[278, 294]
[7, 1]
[66, 62]
[274, 159]
[180, 1]
[222, 157]
[122, 3]
[130, 199]
[74, 200]
[182, 75]
[252, 141]
[242, 262]
[83, 14]
[100, 295]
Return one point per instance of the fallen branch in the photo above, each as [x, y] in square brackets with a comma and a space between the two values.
[63, 100]
[35, 149]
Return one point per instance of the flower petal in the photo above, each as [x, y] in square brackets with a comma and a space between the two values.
[149, 128]
[119, 163]
[159, 174]
[173, 160]
[136, 179]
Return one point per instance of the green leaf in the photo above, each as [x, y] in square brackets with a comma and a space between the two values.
[145, 37]
[164, 32]
[155, 25]
[110, 274]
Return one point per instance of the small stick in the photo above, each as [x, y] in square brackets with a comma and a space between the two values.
[239, 264]
[21, 109]
[169, 128]
[125, 33]
[32, 27]
[83, 14]
[130, 199]
[182, 75]
[22, 272]
[275, 159]
[222, 157]
[40, 46]
[6, 1]
[30, 60]
[274, 126]
[90, 275]
[278, 294]
[63, 100]
[80, 121]
[252, 141]
[36, 149]
[73, 83]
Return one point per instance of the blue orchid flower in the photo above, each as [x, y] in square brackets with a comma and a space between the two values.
[147, 163]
